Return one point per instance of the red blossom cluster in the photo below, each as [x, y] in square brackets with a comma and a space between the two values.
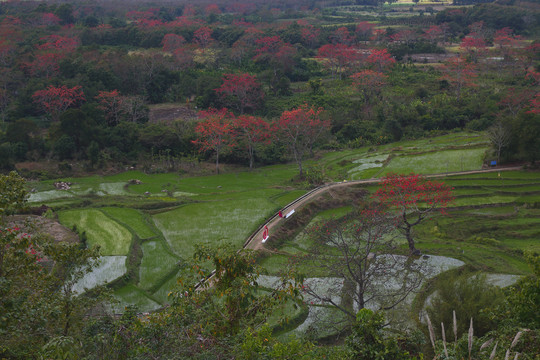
[220, 130]
[171, 42]
[13, 239]
[241, 91]
[369, 82]
[535, 105]
[57, 42]
[184, 22]
[55, 100]
[410, 192]
[300, 128]
[203, 36]
[460, 73]
[381, 59]
[338, 58]
[364, 30]
[49, 19]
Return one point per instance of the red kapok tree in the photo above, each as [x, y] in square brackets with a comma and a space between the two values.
[381, 59]
[369, 83]
[214, 132]
[535, 105]
[460, 73]
[252, 130]
[111, 103]
[240, 91]
[171, 42]
[300, 128]
[55, 100]
[338, 58]
[414, 198]
[203, 36]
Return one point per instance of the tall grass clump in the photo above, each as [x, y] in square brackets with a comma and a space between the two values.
[467, 295]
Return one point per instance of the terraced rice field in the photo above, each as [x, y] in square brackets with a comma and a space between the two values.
[133, 220]
[157, 263]
[157, 224]
[102, 231]
[229, 221]
[108, 269]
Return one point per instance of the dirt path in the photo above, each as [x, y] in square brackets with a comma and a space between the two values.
[255, 241]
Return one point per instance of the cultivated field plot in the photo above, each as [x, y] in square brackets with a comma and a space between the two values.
[448, 153]
[108, 269]
[162, 294]
[133, 219]
[437, 162]
[212, 223]
[323, 321]
[110, 236]
[302, 242]
[47, 196]
[157, 263]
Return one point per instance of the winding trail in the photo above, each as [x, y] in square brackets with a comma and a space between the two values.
[255, 240]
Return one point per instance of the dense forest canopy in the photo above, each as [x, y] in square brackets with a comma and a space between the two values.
[79, 79]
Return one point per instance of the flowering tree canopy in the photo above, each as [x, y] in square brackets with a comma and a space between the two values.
[55, 100]
[369, 83]
[252, 130]
[241, 91]
[460, 73]
[300, 128]
[111, 103]
[414, 198]
[214, 131]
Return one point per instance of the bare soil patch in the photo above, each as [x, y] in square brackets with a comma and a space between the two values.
[35, 225]
[168, 113]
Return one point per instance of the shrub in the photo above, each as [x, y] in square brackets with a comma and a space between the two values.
[467, 294]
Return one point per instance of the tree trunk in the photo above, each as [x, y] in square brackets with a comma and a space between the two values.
[67, 314]
[298, 159]
[250, 158]
[217, 161]
[408, 234]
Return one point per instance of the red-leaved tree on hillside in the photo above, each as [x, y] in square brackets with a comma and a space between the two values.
[59, 43]
[414, 198]
[274, 51]
[300, 128]
[364, 30]
[240, 91]
[339, 58]
[310, 35]
[171, 42]
[252, 130]
[111, 102]
[203, 36]
[460, 73]
[474, 47]
[535, 105]
[214, 131]
[369, 83]
[381, 59]
[55, 100]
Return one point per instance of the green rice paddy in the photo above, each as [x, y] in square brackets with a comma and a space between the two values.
[212, 223]
[157, 263]
[102, 231]
[132, 219]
